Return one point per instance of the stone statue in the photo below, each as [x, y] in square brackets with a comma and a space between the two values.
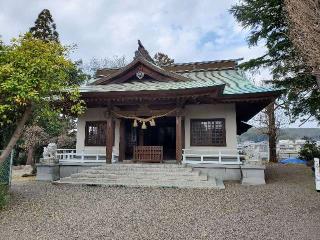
[49, 153]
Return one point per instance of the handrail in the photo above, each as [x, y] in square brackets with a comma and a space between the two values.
[218, 156]
[71, 155]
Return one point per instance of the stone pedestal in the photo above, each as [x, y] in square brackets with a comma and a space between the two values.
[253, 174]
[48, 172]
[220, 171]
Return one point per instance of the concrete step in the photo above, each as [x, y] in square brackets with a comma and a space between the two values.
[153, 169]
[128, 171]
[187, 172]
[142, 176]
[141, 183]
[142, 165]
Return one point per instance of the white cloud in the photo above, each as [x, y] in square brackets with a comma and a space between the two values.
[107, 28]
[104, 28]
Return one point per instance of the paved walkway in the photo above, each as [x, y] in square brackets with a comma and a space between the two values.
[287, 207]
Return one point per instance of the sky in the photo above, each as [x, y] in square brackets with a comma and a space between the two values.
[186, 30]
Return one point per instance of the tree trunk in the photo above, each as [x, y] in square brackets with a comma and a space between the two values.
[17, 133]
[30, 156]
[272, 133]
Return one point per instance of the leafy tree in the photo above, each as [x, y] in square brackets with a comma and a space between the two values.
[309, 151]
[45, 28]
[66, 140]
[35, 77]
[162, 59]
[96, 64]
[33, 136]
[52, 124]
[267, 21]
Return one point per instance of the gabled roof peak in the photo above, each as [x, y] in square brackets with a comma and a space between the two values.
[140, 65]
[142, 52]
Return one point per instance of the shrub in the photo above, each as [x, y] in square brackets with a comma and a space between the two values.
[3, 195]
[309, 151]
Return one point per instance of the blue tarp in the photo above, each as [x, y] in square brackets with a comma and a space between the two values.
[293, 161]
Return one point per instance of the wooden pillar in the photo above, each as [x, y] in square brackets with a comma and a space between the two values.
[178, 138]
[141, 137]
[110, 139]
[122, 144]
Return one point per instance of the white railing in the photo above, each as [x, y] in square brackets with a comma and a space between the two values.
[71, 156]
[317, 173]
[193, 156]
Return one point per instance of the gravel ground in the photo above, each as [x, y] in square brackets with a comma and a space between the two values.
[288, 207]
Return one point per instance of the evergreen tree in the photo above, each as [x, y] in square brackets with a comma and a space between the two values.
[267, 21]
[45, 28]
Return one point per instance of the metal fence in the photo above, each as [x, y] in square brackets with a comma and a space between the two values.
[6, 170]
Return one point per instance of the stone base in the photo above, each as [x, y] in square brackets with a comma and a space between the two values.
[67, 169]
[47, 172]
[220, 171]
[248, 174]
[143, 175]
[253, 175]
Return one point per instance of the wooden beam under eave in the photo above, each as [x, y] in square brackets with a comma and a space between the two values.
[122, 144]
[110, 139]
[178, 138]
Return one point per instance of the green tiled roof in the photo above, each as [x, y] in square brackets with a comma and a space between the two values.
[234, 80]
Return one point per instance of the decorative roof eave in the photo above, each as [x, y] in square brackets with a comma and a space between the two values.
[139, 60]
[214, 91]
[243, 97]
[204, 70]
[206, 62]
[249, 105]
[101, 99]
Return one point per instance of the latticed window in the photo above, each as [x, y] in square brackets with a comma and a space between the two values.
[95, 133]
[208, 132]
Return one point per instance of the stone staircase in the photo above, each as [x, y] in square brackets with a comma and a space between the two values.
[144, 175]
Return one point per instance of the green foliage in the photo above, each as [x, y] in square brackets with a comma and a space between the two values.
[5, 134]
[36, 73]
[34, 136]
[45, 28]
[309, 151]
[67, 141]
[4, 196]
[267, 22]
[20, 157]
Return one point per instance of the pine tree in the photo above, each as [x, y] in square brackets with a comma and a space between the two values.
[268, 23]
[45, 28]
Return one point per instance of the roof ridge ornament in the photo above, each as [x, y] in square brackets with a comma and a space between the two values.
[142, 52]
